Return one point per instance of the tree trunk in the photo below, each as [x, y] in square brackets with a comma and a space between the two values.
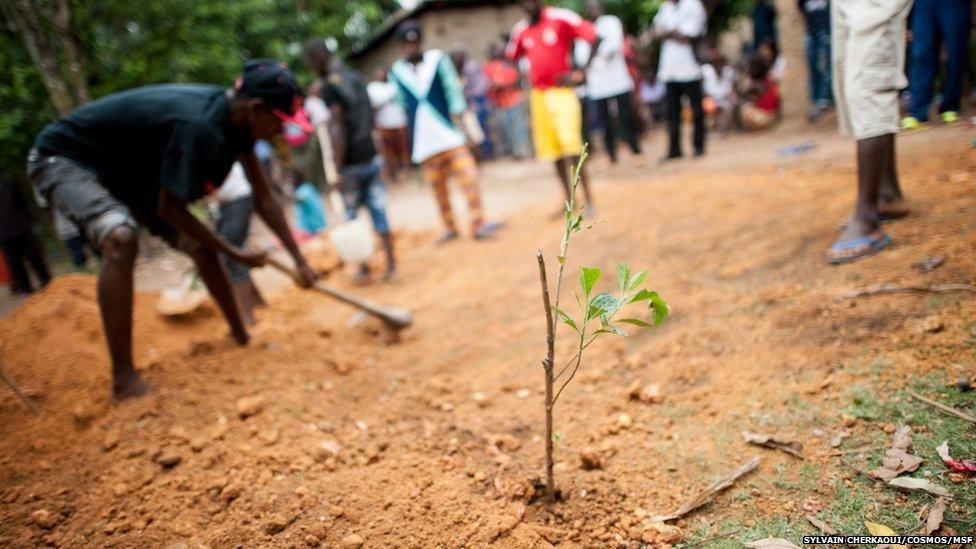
[23, 19]
[69, 42]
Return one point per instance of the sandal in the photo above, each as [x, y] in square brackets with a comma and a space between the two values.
[849, 250]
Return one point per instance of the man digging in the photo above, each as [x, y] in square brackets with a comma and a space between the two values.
[139, 157]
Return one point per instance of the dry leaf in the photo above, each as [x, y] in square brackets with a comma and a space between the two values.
[910, 483]
[936, 515]
[772, 543]
[897, 460]
[708, 493]
[839, 437]
[882, 530]
[958, 466]
[821, 525]
[770, 441]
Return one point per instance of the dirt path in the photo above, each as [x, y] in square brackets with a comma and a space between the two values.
[434, 440]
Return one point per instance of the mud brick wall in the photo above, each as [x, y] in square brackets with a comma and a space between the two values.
[473, 27]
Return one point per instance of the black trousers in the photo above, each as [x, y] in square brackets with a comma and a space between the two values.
[18, 252]
[693, 91]
[618, 115]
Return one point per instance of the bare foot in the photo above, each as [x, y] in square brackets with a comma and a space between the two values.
[242, 337]
[128, 386]
[893, 209]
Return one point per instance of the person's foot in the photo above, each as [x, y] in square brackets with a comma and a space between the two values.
[390, 275]
[699, 154]
[853, 245]
[910, 123]
[128, 385]
[670, 157]
[887, 211]
[815, 113]
[241, 337]
[487, 230]
[447, 237]
[949, 117]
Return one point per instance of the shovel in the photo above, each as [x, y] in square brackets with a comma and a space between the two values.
[394, 317]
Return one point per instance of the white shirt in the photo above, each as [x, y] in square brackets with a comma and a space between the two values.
[389, 114]
[718, 86]
[678, 63]
[608, 75]
[235, 186]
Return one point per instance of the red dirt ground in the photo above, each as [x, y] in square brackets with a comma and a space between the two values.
[434, 440]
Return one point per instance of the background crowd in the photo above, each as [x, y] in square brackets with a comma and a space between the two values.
[556, 80]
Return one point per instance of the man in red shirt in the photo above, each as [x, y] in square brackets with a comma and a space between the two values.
[546, 40]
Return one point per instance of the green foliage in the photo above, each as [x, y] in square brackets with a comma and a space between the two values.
[598, 311]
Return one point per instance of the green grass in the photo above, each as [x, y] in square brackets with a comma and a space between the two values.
[849, 503]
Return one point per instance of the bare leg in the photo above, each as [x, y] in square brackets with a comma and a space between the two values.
[872, 157]
[242, 295]
[119, 250]
[562, 170]
[256, 296]
[891, 202]
[215, 277]
[387, 240]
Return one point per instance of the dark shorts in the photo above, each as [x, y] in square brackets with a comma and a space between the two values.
[77, 193]
[234, 224]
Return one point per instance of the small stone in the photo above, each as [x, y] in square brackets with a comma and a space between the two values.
[889, 428]
[276, 524]
[169, 459]
[249, 406]
[481, 399]
[848, 421]
[327, 449]
[352, 541]
[659, 533]
[44, 518]
[112, 438]
[523, 393]
[269, 437]
[590, 459]
[178, 433]
[931, 325]
[964, 384]
[624, 421]
[198, 444]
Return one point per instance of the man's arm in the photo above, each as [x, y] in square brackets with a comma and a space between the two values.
[173, 211]
[269, 210]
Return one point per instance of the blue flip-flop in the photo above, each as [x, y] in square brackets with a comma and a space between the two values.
[856, 248]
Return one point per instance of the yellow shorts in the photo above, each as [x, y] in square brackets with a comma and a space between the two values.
[557, 119]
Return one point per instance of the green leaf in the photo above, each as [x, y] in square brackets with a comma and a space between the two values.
[561, 259]
[606, 302]
[623, 275]
[588, 279]
[660, 308]
[638, 279]
[636, 322]
[566, 318]
[642, 295]
[610, 329]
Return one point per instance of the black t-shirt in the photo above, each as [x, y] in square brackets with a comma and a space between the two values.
[138, 141]
[345, 87]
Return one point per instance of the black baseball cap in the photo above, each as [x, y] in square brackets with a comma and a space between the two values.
[409, 31]
[270, 79]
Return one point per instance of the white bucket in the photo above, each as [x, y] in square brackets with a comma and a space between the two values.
[354, 240]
